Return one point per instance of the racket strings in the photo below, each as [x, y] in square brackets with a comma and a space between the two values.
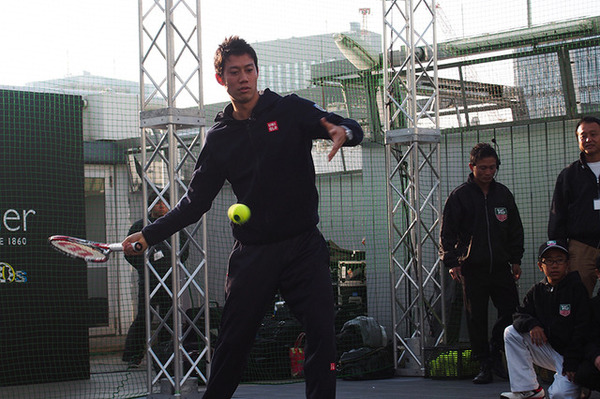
[82, 251]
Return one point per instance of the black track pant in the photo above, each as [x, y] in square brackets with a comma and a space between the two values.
[299, 268]
[479, 288]
[135, 343]
[588, 375]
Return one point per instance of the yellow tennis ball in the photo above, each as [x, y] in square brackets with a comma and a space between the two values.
[238, 213]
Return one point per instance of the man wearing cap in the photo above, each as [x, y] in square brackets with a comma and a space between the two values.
[160, 258]
[549, 329]
[575, 209]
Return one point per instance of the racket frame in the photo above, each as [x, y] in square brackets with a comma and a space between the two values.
[94, 247]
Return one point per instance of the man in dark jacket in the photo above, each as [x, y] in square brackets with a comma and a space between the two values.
[482, 245]
[549, 330]
[575, 209]
[588, 374]
[261, 144]
[160, 259]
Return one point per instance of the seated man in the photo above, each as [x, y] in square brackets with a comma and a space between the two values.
[588, 373]
[549, 329]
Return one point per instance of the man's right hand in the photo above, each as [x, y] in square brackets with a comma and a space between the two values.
[516, 271]
[538, 337]
[456, 273]
[130, 240]
[337, 134]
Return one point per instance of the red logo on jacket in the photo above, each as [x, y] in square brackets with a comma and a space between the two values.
[501, 214]
[272, 126]
[564, 309]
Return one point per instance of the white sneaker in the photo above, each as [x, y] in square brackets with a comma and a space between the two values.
[535, 394]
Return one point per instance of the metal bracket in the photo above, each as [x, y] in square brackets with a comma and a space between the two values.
[411, 135]
[182, 118]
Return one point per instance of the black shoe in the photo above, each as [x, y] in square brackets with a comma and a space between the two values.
[585, 393]
[485, 375]
[133, 362]
[499, 369]
[133, 365]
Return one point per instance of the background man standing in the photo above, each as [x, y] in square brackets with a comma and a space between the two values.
[575, 209]
[160, 258]
[482, 245]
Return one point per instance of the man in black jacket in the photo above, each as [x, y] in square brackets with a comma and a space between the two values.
[575, 209]
[588, 374]
[261, 144]
[482, 245]
[549, 330]
[160, 259]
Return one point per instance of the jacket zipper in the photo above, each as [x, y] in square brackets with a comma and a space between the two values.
[249, 124]
[489, 239]
[585, 166]
[598, 198]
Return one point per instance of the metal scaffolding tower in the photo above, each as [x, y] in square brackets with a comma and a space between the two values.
[412, 136]
[170, 79]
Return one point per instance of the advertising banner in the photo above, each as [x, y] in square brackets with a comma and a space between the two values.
[43, 330]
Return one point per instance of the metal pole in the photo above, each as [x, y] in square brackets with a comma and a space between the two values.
[169, 43]
[388, 168]
[414, 204]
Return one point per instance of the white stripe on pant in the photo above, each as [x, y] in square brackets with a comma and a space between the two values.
[522, 354]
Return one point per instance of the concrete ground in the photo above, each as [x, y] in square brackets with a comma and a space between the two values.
[111, 378]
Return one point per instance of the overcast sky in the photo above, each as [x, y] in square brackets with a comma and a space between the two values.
[44, 39]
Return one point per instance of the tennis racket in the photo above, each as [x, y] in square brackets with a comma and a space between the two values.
[90, 251]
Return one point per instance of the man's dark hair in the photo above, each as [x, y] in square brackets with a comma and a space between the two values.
[152, 197]
[232, 45]
[483, 150]
[587, 119]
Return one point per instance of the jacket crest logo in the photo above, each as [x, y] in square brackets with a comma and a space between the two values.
[501, 214]
[272, 126]
[564, 309]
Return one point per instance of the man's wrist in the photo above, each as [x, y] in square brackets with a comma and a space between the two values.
[349, 134]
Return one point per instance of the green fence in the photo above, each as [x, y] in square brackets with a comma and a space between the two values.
[70, 163]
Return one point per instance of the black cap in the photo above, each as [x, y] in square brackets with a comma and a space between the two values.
[553, 244]
[153, 196]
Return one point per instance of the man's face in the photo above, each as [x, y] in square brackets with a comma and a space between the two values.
[588, 136]
[555, 265]
[239, 78]
[485, 170]
[160, 209]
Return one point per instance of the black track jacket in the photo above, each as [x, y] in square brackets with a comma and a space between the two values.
[267, 159]
[563, 312]
[572, 214]
[592, 348]
[481, 233]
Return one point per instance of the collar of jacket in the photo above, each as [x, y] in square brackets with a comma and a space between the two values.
[471, 180]
[267, 98]
[582, 161]
[570, 276]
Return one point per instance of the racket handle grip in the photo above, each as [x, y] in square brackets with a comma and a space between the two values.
[137, 246]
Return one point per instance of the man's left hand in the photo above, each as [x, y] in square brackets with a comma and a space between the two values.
[516, 271]
[570, 375]
[337, 134]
